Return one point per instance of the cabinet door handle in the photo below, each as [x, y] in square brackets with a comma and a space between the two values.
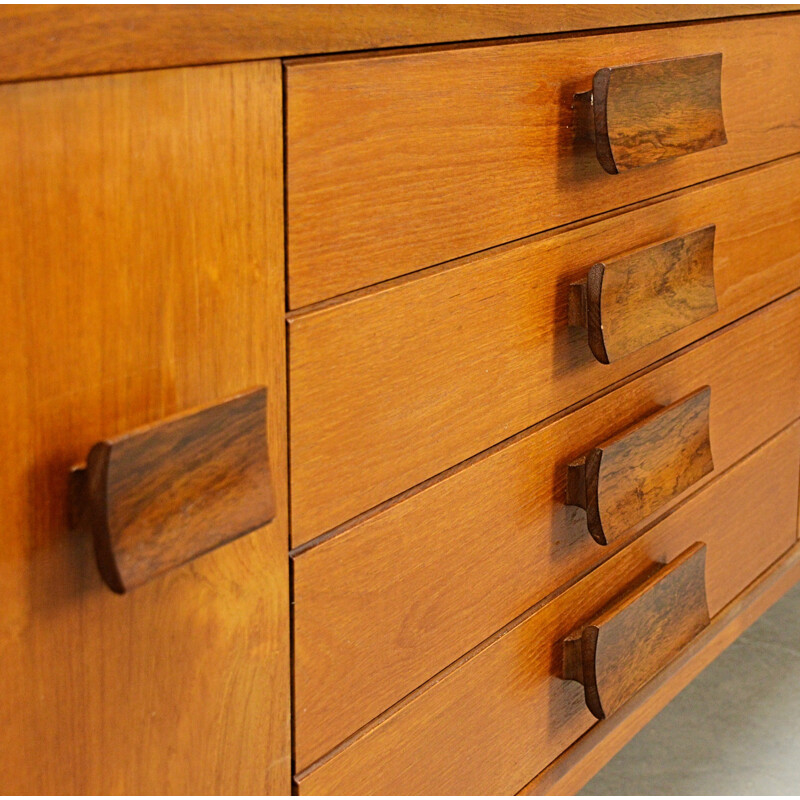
[629, 477]
[638, 635]
[628, 302]
[641, 114]
[166, 493]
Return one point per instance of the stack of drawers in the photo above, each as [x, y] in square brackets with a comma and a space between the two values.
[544, 385]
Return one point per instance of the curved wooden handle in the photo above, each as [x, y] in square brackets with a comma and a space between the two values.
[626, 479]
[164, 494]
[639, 634]
[641, 114]
[634, 300]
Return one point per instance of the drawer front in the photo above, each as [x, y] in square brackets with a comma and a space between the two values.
[393, 387]
[398, 162]
[385, 605]
[495, 719]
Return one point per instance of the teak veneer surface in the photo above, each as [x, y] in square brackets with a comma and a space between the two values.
[385, 605]
[141, 274]
[497, 718]
[398, 162]
[51, 40]
[392, 387]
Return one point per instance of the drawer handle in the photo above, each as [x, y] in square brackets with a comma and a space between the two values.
[631, 301]
[641, 114]
[164, 494]
[638, 635]
[623, 481]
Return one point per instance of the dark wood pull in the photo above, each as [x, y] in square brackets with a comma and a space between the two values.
[162, 495]
[634, 300]
[641, 114]
[638, 635]
[626, 479]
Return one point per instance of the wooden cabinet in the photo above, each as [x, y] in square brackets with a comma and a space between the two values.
[472, 330]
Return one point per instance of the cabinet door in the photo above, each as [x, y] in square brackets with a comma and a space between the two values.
[140, 276]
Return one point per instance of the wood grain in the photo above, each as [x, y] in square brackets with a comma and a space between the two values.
[633, 639]
[630, 301]
[641, 114]
[49, 40]
[394, 599]
[398, 384]
[629, 477]
[164, 494]
[398, 162]
[493, 720]
[141, 271]
[568, 773]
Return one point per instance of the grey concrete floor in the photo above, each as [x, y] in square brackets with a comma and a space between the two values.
[735, 730]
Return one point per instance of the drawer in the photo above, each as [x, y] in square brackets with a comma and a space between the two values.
[494, 719]
[391, 388]
[391, 601]
[400, 161]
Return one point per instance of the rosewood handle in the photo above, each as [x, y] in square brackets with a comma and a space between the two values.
[164, 494]
[634, 300]
[641, 114]
[638, 635]
[626, 479]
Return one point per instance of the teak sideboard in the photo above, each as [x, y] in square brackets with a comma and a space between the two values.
[396, 399]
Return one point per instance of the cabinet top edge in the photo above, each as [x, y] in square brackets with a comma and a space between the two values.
[51, 41]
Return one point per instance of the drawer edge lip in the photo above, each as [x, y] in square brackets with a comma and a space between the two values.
[570, 771]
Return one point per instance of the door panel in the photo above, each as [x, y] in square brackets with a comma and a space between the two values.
[140, 275]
